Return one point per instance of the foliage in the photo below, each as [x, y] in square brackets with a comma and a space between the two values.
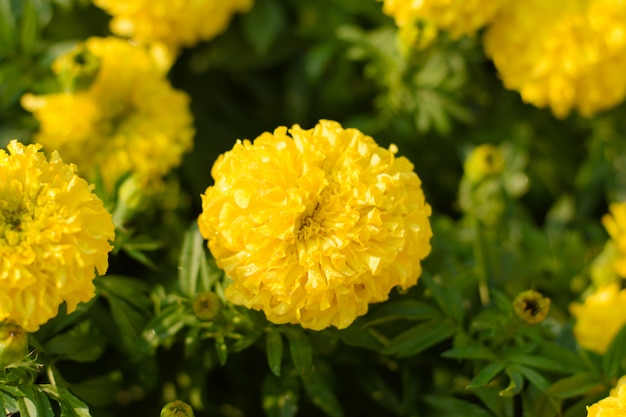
[453, 346]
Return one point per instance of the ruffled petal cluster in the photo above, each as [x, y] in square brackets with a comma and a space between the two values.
[564, 55]
[600, 317]
[313, 225]
[54, 236]
[458, 17]
[615, 224]
[175, 23]
[612, 406]
[127, 119]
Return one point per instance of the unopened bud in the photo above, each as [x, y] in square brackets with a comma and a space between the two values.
[484, 161]
[177, 409]
[531, 306]
[13, 344]
[206, 306]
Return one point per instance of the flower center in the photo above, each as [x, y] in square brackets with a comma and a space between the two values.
[12, 222]
[310, 224]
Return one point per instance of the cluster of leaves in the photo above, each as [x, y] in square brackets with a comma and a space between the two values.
[451, 347]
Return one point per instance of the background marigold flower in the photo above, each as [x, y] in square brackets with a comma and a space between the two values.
[615, 224]
[129, 119]
[458, 17]
[176, 23]
[565, 55]
[612, 406]
[600, 317]
[54, 235]
[314, 226]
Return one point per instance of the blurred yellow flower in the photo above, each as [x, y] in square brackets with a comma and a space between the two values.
[313, 227]
[458, 17]
[612, 406]
[600, 317]
[175, 23]
[127, 119]
[564, 55]
[483, 161]
[54, 235]
[615, 224]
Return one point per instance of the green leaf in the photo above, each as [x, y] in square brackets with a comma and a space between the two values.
[7, 403]
[533, 376]
[34, 404]
[419, 338]
[449, 299]
[70, 405]
[280, 395]
[263, 24]
[29, 27]
[192, 256]
[575, 385]
[99, 391]
[485, 375]
[274, 347]
[538, 362]
[300, 349]
[466, 348]
[321, 395]
[166, 325]
[614, 359]
[448, 406]
[380, 391]
[402, 309]
[516, 382]
[7, 29]
[82, 343]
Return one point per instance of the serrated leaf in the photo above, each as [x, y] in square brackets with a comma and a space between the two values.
[574, 385]
[262, 25]
[7, 403]
[614, 359]
[533, 377]
[34, 404]
[486, 374]
[274, 348]
[280, 395]
[419, 338]
[300, 349]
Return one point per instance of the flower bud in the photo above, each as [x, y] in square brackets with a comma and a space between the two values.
[484, 161]
[13, 344]
[531, 306]
[177, 409]
[206, 306]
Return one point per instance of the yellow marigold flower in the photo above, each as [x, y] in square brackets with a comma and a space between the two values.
[458, 17]
[612, 406]
[566, 55]
[128, 119]
[313, 227]
[176, 23]
[483, 161]
[600, 317]
[54, 235]
[615, 224]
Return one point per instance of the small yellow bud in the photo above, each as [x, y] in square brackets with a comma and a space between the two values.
[484, 161]
[206, 306]
[77, 69]
[13, 344]
[177, 409]
[531, 306]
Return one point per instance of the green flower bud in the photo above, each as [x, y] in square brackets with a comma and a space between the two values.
[77, 69]
[13, 344]
[531, 306]
[206, 306]
[177, 409]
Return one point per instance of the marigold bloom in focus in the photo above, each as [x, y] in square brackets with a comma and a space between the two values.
[564, 55]
[458, 17]
[176, 23]
[128, 119]
[615, 224]
[612, 406]
[600, 317]
[54, 235]
[314, 226]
